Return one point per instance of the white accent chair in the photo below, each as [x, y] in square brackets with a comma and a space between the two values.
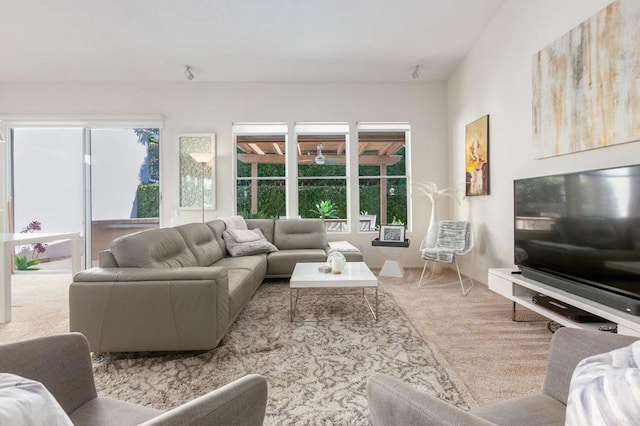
[455, 238]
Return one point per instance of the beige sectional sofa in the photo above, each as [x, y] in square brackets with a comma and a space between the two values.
[173, 289]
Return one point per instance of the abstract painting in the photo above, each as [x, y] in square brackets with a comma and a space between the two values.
[586, 85]
[477, 157]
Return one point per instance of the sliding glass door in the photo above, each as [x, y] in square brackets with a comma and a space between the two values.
[47, 190]
[100, 182]
[125, 184]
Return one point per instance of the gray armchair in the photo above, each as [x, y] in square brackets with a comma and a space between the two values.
[62, 363]
[392, 402]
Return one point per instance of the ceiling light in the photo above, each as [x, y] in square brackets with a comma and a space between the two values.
[320, 159]
[416, 73]
[188, 73]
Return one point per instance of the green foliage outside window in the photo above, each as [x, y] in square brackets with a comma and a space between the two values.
[147, 199]
[271, 199]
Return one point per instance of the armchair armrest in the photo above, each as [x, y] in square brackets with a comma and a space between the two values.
[569, 346]
[392, 402]
[62, 363]
[242, 403]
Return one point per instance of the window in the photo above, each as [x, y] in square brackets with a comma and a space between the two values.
[260, 169]
[322, 173]
[382, 171]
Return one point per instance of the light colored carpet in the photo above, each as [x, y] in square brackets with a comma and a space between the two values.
[40, 306]
[496, 358]
[317, 368]
[490, 357]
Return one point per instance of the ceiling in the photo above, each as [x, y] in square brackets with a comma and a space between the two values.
[238, 40]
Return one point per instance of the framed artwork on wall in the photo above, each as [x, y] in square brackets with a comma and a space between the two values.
[477, 157]
[197, 170]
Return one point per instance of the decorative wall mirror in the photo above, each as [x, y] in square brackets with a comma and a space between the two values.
[197, 171]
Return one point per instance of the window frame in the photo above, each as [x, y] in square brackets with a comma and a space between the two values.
[385, 127]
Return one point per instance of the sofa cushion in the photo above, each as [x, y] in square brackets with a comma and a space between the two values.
[218, 227]
[266, 226]
[108, 411]
[538, 409]
[234, 222]
[342, 246]
[281, 263]
[202, 242]
[256, 263]
[247, 248]
[241, 287]
[153, 248]
[299, 234]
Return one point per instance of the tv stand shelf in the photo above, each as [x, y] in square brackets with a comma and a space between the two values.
[520, 289]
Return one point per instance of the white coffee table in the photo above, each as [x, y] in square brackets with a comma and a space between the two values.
[355, 275]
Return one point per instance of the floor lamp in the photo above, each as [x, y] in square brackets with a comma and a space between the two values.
[203, 158]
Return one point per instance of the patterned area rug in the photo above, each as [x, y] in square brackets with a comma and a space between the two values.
[317, 367]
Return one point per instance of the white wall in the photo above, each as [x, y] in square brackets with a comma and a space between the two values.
[212, 107]
[495, 79]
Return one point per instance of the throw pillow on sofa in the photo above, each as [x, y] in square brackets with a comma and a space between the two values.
[246, 248]
[604, 389]
[234, 222]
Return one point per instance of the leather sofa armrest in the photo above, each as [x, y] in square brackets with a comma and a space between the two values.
[150, 309]
[106, 259]
[242, 402]
[569, 346]
[393, 402]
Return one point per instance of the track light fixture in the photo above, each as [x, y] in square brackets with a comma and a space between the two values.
[188, 73]
[416, 73]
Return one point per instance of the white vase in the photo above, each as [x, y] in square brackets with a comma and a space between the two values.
[432, 231]
[431, 236]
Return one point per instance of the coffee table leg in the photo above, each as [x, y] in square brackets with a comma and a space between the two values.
[376, 303]
[374, 312]
[293, 304]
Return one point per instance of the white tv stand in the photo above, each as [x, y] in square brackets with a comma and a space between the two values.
[520, 289]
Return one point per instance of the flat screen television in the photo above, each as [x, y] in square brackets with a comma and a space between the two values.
[580, 232]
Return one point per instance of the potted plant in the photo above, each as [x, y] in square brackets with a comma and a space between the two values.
[23, 263]
[325, 209]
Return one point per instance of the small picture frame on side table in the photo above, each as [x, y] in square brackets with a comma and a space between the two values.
[393, 233]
